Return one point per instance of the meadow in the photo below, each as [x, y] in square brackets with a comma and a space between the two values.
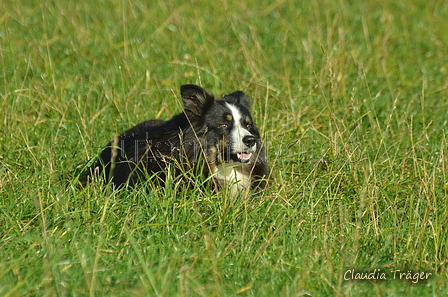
[351, 100]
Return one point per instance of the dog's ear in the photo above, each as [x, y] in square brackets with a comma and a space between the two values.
[238, 98]
[195, 99]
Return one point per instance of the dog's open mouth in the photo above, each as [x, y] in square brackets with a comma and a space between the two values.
[244, 156]
[241, 157]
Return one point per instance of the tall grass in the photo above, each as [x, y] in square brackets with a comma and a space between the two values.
[351, 98]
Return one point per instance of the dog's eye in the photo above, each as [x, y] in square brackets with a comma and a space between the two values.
[249, 126]
[223, 126]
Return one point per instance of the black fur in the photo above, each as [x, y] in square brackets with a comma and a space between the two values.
[202, 131]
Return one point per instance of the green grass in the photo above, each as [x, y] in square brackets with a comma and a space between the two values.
[351, 98]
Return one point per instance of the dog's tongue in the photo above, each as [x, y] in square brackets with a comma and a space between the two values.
[244, 156]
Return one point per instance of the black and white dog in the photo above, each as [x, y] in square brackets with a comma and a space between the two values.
[219, 134]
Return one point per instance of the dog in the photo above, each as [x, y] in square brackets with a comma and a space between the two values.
[217, 137]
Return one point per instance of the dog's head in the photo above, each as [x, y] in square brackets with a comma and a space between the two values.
[225, 124]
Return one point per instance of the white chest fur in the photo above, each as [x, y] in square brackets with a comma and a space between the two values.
[231, 177]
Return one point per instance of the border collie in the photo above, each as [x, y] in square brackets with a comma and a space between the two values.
[220, 132]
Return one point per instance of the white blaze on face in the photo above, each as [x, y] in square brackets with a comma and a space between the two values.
[238, 133]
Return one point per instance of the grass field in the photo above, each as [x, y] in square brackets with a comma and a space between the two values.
[351, 99]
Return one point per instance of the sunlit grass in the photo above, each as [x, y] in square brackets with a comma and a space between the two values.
[350, 99]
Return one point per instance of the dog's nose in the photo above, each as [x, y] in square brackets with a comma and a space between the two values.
[249, 141]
